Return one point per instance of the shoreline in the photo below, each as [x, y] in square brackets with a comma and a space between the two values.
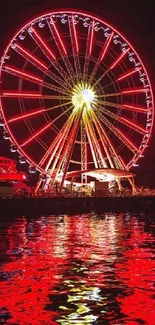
[67, 205]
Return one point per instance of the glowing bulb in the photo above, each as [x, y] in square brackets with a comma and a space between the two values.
[82, 96]
[88, 95]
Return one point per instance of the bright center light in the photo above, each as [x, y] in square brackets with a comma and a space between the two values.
[83, 95]
[88, 95]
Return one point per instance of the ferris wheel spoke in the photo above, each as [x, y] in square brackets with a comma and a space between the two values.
[47, 153]
[20, 73]
[89, 46]
[106, 47]
[53, 171]
[50, 56]
[36, 134]
[123, 120]
[113, 65]
[114, 158]
[125, 92]
[62, 114]
[121, 77]
[121, 56]
[50, 151]
[55, 88]
[27, 115]
[124, 107]
[133, 126]
[21, 94]
[29, 56]
[31, 95]
[65, 151]
[46, 50]
[39, 64]
[127, 74]
[27, 76]
[61, 134]
[100, 159]
[75, 47]
[102, 55]
[70, 146]
[57, 37]
[103, 139]
[53, 154]
[36, 112]
[118, 133]
[62, 50]
[57, 158]
[96, 146]
[91, 144]
[84, 157]
[59, 144]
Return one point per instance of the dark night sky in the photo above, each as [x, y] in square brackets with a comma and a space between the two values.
[134, 18]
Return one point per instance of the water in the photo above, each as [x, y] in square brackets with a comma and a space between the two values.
[83, 269]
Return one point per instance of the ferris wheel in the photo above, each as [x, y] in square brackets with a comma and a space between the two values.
[75, 95]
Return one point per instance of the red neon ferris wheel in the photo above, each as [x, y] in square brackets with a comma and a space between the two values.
[75, 95]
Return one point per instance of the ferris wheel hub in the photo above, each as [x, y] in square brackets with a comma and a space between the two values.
[83, 95]
[87, 95]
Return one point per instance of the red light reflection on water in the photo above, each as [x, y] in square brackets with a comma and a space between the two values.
[61, 269]
[32, 275]
[138, 276]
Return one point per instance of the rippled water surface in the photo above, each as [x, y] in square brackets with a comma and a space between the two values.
[83, 269]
